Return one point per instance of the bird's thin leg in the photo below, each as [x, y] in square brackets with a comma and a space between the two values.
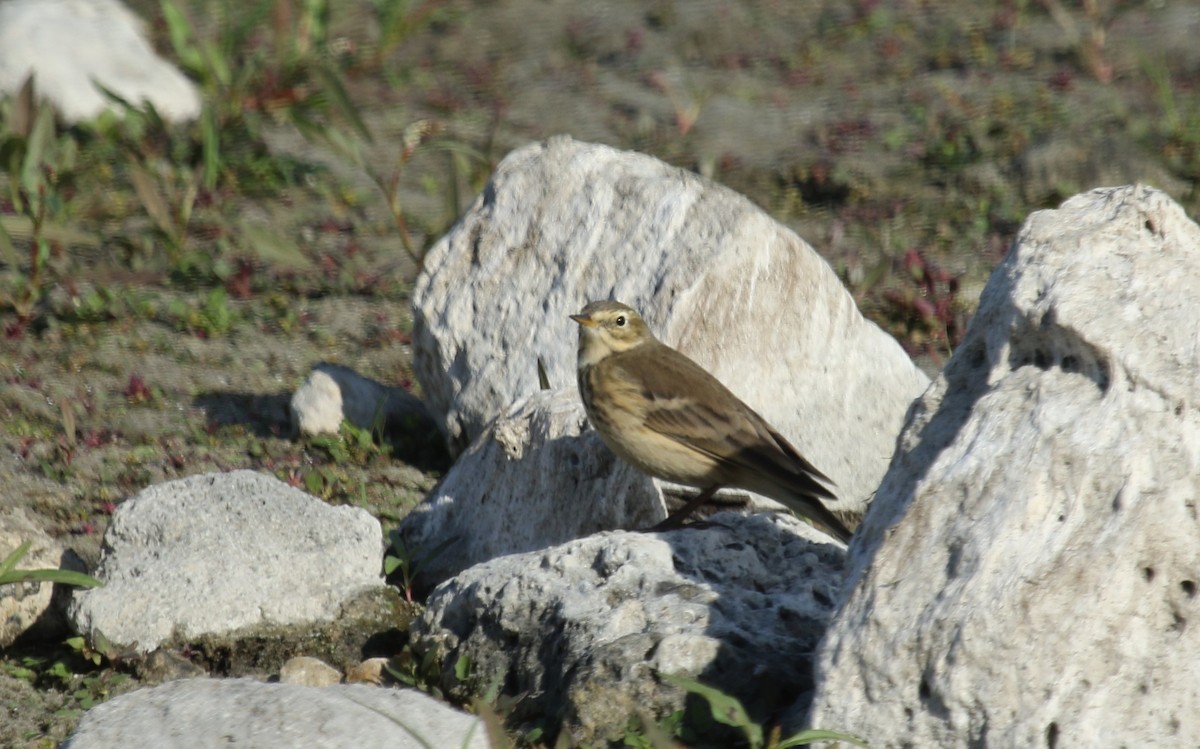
[675, 519]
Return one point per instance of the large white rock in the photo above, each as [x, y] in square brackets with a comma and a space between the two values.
[220, 713]
[71, 45]
[562, 223]
[216, 553]
[585, 631]
[1027, 575]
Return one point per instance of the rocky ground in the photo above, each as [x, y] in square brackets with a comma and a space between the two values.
[906, 141]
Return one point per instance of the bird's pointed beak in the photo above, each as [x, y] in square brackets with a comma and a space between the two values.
[584, 320]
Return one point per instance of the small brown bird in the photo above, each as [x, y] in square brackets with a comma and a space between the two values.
[662, 412]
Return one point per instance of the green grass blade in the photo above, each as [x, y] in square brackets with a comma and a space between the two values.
[812, 735]
[11, 560]
[180, 33]
[8, 251]
[211, 148]
[65, 577]
[333, 88]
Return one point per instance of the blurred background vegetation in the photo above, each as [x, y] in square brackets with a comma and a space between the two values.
[905, 140]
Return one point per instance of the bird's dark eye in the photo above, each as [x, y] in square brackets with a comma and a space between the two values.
[620, 321]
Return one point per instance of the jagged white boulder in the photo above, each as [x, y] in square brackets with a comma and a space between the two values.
[586, 631]
[70, 46]
[562, 223]
[219, 713]
[1028, 573]
[217, 553]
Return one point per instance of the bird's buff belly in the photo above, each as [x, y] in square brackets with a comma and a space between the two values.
[660, 456]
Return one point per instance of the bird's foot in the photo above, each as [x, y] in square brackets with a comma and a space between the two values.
[675, 521]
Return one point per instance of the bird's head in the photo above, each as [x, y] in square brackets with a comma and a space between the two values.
[609, 328]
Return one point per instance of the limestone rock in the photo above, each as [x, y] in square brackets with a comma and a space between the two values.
[370, 671]
[308, 671]
[584, 630]
[69, 46]
[534, 479]
[218, 713]
[316, 406]
[26, 606]
[332, 392]
[211, 554]
[562, 223]
[1027, 575]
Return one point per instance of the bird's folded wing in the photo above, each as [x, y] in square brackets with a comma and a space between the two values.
[733, 434]
[695, 424]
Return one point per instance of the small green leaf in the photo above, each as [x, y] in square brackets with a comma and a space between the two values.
[216, 64]
[391, 563]
[314, 482]
[152, 200]
[725, 708]
[35, 149]
[43, 251]
[462, 667]
[103, 644]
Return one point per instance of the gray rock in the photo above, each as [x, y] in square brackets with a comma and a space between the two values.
[370, 671]
[333, 392]
[562, 222]
[316, 406]
[28, 606]
[1027, 575]
[530, 482]
[583, 631]
[69, 46]
[200, 713]
[308, 671]
[215, 553]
